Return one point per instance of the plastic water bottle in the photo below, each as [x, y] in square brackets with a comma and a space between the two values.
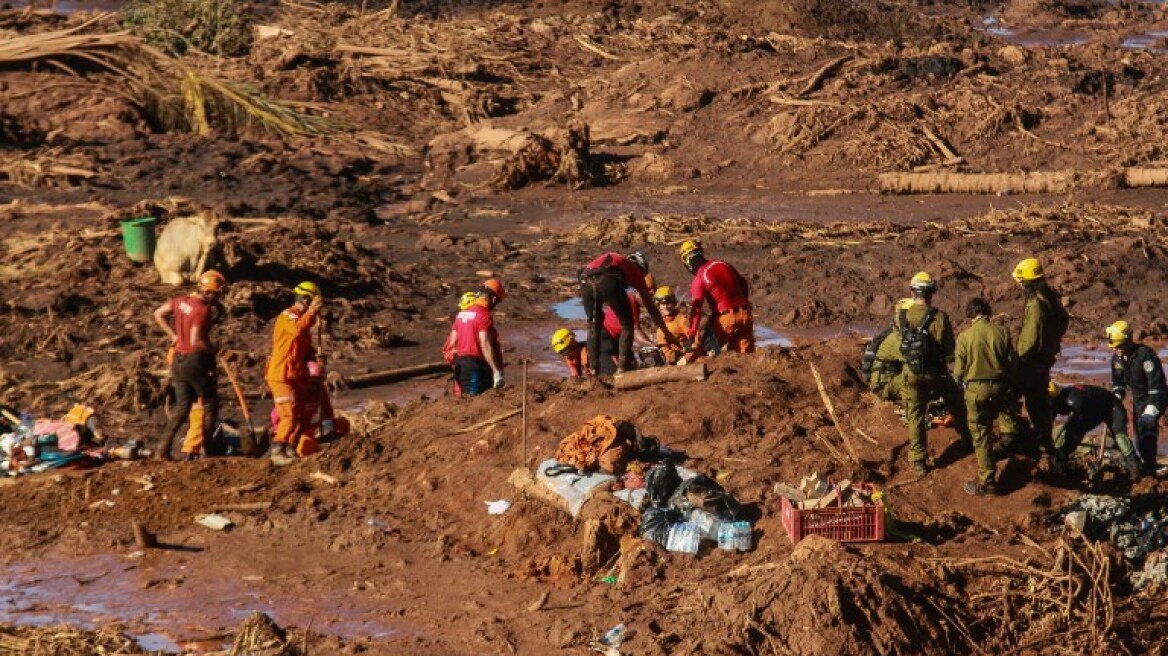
[614, 637]
[706, 522]
[683, 538]
[734, 536]
[378, 524]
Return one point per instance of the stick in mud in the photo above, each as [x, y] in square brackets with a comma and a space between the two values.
[523, 409]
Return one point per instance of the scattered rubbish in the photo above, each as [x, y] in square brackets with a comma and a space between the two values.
[101, 503]
[615, 636]
[323, 477]
[539, 603]
[1141, 536]
[842, 511]
[497, 507]
[215, 522]
[493, 551]
[143, 538]
[375, 523]
[609, 579]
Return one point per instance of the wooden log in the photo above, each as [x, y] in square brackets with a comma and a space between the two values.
[143, 538]
[391, 375]
[242, 507]
[525, 482]
[489, 422]
[1145, 177]
[975, 183]
[654, 375]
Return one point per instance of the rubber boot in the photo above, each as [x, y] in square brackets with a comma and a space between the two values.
[280, 456]
[1132, 464]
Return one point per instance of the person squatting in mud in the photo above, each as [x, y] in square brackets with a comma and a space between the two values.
[193, 370]
[676, 321]
[287, 372]
[603, 283]
[478, 356]
[728, 295]
[1136, 367]
[1087, 407]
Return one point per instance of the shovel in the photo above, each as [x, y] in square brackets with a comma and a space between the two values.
[239, 395]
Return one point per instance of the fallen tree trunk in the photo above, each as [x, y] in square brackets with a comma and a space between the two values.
[655, 375]
[391, 375]
[1145, 177]
[525, 482]
[975, 183]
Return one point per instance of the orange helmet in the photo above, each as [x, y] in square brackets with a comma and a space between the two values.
[211, 282]
[496, 288]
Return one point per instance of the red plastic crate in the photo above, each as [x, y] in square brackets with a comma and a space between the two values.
[842, 523]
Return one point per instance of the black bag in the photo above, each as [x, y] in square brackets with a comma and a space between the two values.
[655, 523]
[868, 359]
[704, 493]
[916, 345]
[660, 483]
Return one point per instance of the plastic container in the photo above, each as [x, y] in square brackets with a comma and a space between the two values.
[842, 523]
[683, 538]
[138, 236]
[735, 536]
[614, 637]
[707, 523]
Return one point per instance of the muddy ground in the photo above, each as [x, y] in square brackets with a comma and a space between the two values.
[760, 127]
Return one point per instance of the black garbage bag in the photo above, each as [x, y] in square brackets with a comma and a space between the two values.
[660, 483]
[655, 523]
[704, 493]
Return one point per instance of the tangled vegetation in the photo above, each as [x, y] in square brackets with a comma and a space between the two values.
[218, 27]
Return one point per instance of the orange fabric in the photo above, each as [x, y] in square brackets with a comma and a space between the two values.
[307, 446]
[291, 346]
[314, 398]
[597, 445]
[576, 357]
[289, 399]
[341, 426]
[735, 331]
[193, 442]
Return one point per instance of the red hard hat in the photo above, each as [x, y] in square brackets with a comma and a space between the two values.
[495, 287]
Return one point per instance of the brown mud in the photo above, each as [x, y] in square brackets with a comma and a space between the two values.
[761, 128]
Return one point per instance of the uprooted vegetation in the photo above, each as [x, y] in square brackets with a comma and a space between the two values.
[218, 27]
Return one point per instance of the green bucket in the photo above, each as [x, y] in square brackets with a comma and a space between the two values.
[138, 235]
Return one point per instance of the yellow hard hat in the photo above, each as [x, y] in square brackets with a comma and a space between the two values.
[663, 293]
[904, 304]
[562, 339]
[1027, 270]
[1053, 389]
[922, 282]
[307, 288]
[1118, 334]
[689, 247]
[466, 300]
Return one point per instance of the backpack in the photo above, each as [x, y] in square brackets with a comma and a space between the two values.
[868, 359]
[602, 443]
[916, 345]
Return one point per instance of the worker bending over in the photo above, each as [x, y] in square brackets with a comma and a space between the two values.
[603, 282]
[1086, 407]
[728, 295]
[1136, 367]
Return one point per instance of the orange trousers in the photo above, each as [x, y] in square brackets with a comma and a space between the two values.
[193, 442]
[288, 396]
[735, 331]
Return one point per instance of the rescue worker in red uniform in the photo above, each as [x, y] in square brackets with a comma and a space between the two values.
[728, 295]
[478, 362]
[193, 371]
[287, 372]
[450, 349]
[603, 282]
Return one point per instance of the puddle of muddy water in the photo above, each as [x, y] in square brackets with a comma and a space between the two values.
[72, 6]
[164, 608]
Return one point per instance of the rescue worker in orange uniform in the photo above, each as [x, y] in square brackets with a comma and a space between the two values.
[287, 373]
[318, 421]
[728, 295]
[193, 371]
[478, 364]
[675, 320]
[575, 354]
[603, 282]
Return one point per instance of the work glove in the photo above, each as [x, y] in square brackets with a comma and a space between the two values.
[326, 427]
[1119, 392]
[498, 380]
[1151, 411]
